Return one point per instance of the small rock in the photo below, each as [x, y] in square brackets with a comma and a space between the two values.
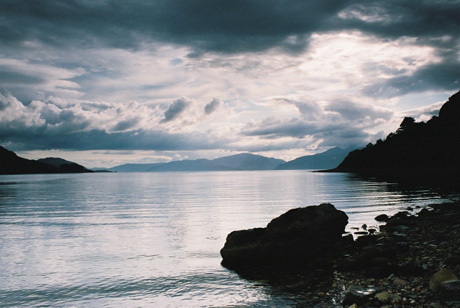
[436, 305]
[383, 296]
[382, 218]
[395, 298]
[358, 295]
[353, 306]
[439, 277]
[400, 282]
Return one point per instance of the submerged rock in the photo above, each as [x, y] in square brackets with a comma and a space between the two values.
[297, 239]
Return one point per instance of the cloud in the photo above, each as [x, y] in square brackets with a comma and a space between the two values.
[85, 125]
[440, 76]
[176, 108]
[212, 106]
[221, 26]
[109, 72]
[337, 122]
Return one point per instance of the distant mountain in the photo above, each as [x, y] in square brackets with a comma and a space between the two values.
[243, 161]
[132, 167]
[428, 150]
[325, 160]
[10, 163]
[246, 161]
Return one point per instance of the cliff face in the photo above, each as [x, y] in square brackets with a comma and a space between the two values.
[422, 147]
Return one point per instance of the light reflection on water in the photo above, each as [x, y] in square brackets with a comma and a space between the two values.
[142, 240]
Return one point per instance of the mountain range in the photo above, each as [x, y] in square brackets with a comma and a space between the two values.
[244, 161]
[10, 163]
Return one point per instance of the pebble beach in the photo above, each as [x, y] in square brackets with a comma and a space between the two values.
[412, 261]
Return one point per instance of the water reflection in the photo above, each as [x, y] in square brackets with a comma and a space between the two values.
[153, 239]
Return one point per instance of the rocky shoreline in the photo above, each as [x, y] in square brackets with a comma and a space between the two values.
[400, 265]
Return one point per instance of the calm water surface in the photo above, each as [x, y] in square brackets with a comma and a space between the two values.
[153, 239]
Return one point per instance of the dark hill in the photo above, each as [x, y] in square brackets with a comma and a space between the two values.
[428, 150]
[10, 163]
[63, 166]
[325, 160]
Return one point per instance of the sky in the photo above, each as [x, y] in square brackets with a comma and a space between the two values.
[104, 82]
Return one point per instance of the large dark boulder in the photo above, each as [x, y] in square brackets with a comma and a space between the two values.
[294, 240]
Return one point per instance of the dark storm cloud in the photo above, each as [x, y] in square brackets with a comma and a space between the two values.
[42, 139]
[212, 106]
[233, 26]
[176, 108]
[221, 25]
[13, 78]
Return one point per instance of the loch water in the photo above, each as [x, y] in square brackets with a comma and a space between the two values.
[153, 239]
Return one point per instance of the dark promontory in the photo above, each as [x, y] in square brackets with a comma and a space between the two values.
[10, 163]
[417, 150]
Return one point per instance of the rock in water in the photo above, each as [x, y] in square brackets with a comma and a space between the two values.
[291, 241]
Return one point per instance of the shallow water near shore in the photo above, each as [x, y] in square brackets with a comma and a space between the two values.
[153, 239]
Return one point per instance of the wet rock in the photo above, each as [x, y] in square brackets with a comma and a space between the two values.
[440, 277]
[449, 292]
[401, 215]
[382, 218]
[296, 239]
[358, 295]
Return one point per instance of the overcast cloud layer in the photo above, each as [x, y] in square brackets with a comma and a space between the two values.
[114, 81]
